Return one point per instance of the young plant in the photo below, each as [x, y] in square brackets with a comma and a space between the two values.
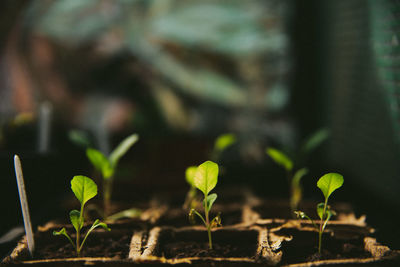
[328, 184]
[298, 158]
[108, 165]
[205, 179]
[190, 201]
[296, 190]
[84, 189]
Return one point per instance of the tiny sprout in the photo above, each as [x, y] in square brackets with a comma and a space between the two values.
[327, 184]
[84, 189]
[108, 165]
[205, 179]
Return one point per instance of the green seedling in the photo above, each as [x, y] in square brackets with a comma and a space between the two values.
[221, 143]
[296, 190]
[205, 179]
[328, 184]
[190, 201]
[108, 165]
[84, 189]
[295, 162]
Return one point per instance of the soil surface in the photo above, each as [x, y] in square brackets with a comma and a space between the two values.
[303, 247]
[226, 243]
[193, 249]
[110, 245]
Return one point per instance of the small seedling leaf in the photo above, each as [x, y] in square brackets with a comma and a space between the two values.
[122, 148]
[206, 177]
[210, 200]
[189, 174]
[129, 213]
[84, 188]
[329, 183]
[315, 140]
[74, 216]
[80, 138]
[216, 221]
[224, 141]
[320, 210]
[97, 223]
[100, 162]
[61, 232]
[280, 158]
[64, 233]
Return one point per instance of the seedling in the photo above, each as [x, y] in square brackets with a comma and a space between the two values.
[297, 160]
[108, 165]
[221, 143]
[190, 201]
[205, 179]
[328, 184]
[296, 190]
[84, 189]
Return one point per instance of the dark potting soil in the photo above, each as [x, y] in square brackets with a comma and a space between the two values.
[194, 243]
[195, 249]
[112, 245]
[303, 247]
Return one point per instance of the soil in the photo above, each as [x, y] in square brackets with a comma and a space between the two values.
[194, 243]
[193, 249]
[303, 247]
[99, 244]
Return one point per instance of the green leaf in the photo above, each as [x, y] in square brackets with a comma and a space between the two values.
[129, 213]
[189, 174]
[320, 210]
[64, 233]
[315, 140]
[74, 216]
[210, 200]
[206, 177]
[280, 158]
[96, 224]
[329, 183]
[224, 141]
[328, 212]
[100, 162]
[84, 188]
[122, 148]
[80, 138]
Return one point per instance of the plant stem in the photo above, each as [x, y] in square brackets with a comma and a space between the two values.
[320, 226]
[107, 189]
[208, 223]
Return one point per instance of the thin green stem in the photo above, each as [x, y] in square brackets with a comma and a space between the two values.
[208, 225]
[107, 189]
[321, 226]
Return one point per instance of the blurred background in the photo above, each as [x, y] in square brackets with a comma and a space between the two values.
[180, 73]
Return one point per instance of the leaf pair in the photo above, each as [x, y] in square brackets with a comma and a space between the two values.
[107, 166]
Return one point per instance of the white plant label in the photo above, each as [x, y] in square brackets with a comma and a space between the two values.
[24, 204]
